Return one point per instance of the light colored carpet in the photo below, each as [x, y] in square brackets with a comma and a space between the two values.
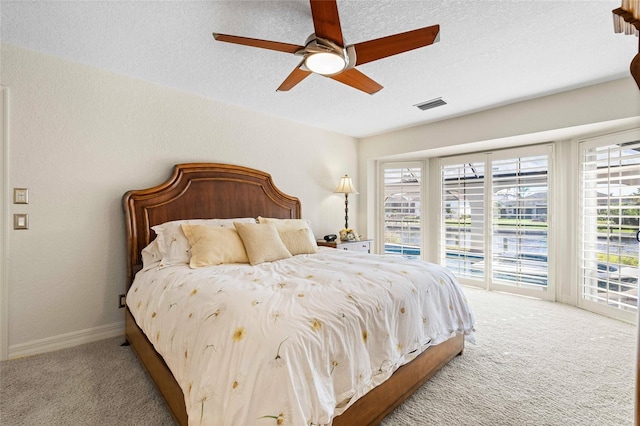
[535, 363]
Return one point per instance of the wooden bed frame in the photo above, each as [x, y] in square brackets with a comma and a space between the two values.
[209, 190]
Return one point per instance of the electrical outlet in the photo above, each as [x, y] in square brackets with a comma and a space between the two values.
[122, 301]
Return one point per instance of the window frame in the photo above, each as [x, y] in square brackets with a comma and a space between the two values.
[548, 292]
[440, 250]
[584, 145]
[488, 157]
[380, 228]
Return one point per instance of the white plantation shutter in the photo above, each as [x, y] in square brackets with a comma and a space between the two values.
[463, 219]
[610, 210]
[520, 190]
[402, 209]
[493, 227]
[505, 221]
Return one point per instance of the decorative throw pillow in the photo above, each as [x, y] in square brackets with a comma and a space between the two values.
[285, 225]
[174, 245]
[262, 242]
[214, 245]
[298, 241]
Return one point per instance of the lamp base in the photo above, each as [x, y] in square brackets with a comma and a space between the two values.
[346, 211]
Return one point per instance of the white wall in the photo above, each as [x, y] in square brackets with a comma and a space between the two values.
[593, 104]
[80, 138]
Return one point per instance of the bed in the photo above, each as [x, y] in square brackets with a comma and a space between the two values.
[198, 191]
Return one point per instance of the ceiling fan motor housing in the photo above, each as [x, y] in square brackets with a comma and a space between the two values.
[314, 45]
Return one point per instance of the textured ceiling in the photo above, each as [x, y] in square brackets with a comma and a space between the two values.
[490, 53]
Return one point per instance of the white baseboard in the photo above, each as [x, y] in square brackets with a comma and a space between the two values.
[67, 340]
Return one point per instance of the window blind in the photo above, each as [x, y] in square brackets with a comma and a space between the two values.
[402, 210]
[610, 211]
[463, 213]
[519, 220]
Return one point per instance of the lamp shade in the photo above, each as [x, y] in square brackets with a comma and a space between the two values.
[346, 186]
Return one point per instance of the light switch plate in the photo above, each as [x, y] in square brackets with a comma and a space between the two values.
[20, 196]
[20, 221]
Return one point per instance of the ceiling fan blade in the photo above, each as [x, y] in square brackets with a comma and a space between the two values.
[326, 21]
[354, 78]
[296, 76]
[254, 42]
[398, 43]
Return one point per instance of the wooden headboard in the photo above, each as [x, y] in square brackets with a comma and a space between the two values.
[201, 191]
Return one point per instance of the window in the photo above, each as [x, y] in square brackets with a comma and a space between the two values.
[463, 213]
[494, 208]
[519, 220]
[555, 221]
[402, 209]
[610, 212]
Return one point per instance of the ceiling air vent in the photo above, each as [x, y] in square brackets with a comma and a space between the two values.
[433, 103]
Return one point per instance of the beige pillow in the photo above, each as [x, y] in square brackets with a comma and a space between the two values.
[262, 242]
[173, 244]
[214, 245]
[285, 225]
[298, 241]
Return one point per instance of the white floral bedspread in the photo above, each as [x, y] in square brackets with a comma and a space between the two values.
[294, 341]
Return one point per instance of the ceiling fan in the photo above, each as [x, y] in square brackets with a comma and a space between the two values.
[325, 53]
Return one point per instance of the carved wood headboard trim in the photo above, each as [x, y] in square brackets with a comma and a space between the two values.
[201, 191]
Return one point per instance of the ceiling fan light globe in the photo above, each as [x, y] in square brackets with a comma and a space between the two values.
[325, 63]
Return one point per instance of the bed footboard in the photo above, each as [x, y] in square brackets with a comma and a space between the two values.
[382, 400]
[371, 409]
[157, 369]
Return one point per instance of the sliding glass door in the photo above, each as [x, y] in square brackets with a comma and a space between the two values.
[519, 226]
[463, 213]
[494, 210]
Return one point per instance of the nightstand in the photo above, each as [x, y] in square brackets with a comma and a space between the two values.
[362, 245]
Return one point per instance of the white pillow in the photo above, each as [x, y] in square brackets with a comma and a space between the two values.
[151, 255]
[174, 245]
[285, 225]
[262, 242]
[214, 245]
